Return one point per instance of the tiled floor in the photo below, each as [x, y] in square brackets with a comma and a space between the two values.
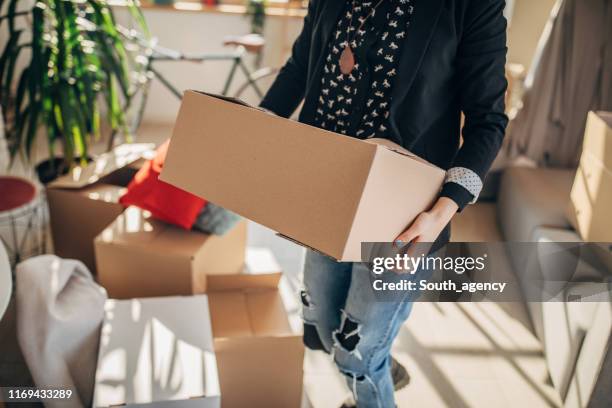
[458, 355]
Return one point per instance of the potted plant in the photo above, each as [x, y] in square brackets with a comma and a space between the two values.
[79, 74]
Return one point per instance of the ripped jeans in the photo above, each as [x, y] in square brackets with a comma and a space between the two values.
[342, 316]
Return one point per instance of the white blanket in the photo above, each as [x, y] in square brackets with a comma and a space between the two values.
[59, 313]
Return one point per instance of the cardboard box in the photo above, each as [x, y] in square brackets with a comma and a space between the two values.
[261, 271]
[591, 196]
[598, 137]
[138, 256]
[157, 352]
[260, 358]
[324, 190]
[83, 202]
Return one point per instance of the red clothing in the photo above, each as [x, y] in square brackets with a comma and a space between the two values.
[164, 201]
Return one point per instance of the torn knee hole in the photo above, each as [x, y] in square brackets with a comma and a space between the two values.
[347, 336]
[305, 297]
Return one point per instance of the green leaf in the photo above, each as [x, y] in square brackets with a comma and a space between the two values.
[10, 69]
[137, 15]
[79, 60]
[12, 7]
[30, 136]
[5, 58]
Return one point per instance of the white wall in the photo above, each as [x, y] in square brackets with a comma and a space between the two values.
[196, 32]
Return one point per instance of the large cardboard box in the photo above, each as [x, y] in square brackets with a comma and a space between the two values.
[138, 256]
[324, 190]
[83, 202]
[591, 196]
[157, 352]
[260, 358]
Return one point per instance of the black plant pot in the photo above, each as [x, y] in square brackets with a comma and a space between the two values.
[50, 169]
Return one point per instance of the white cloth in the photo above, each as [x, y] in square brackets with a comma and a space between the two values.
[59, 314]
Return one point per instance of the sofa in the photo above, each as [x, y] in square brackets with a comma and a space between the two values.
[576, 337]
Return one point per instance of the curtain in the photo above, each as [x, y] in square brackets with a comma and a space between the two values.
[571, 75]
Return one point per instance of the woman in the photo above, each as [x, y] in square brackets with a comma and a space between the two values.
[402, 70]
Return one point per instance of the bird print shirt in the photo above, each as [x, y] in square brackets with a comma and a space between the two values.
[357, 104]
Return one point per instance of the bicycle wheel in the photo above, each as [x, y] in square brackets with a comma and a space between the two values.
[253, 90]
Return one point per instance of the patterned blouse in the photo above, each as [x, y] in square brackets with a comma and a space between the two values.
[357, 104]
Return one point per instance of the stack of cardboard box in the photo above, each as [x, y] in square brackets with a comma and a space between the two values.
[194, 319]
[259, 358]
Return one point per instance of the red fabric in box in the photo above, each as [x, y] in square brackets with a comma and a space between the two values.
[164, 201]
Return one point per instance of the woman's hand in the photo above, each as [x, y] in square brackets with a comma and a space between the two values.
[428, 225]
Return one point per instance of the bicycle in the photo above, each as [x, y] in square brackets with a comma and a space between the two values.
[258, 80]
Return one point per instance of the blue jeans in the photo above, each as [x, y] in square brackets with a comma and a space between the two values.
[353, 326]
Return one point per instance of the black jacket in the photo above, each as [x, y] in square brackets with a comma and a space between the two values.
[453, 61]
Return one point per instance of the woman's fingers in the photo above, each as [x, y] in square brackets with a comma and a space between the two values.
[407, 236]
[419, 239]
[404, 239]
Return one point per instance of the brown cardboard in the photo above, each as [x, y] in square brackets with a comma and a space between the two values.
[83, 202]
[260, 359]
[324, 190]
[105, 165]
[598, 137]
[261, 271]
[77, 216]
[138, 256]
[151, 355]
[591, 196]
[591, 200]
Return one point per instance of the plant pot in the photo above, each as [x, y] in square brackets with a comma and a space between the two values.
[50, 169]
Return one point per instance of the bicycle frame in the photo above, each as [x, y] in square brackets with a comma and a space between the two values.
[237, 63]
[165, 54]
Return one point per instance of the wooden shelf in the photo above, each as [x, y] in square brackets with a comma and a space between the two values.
[276, 10]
